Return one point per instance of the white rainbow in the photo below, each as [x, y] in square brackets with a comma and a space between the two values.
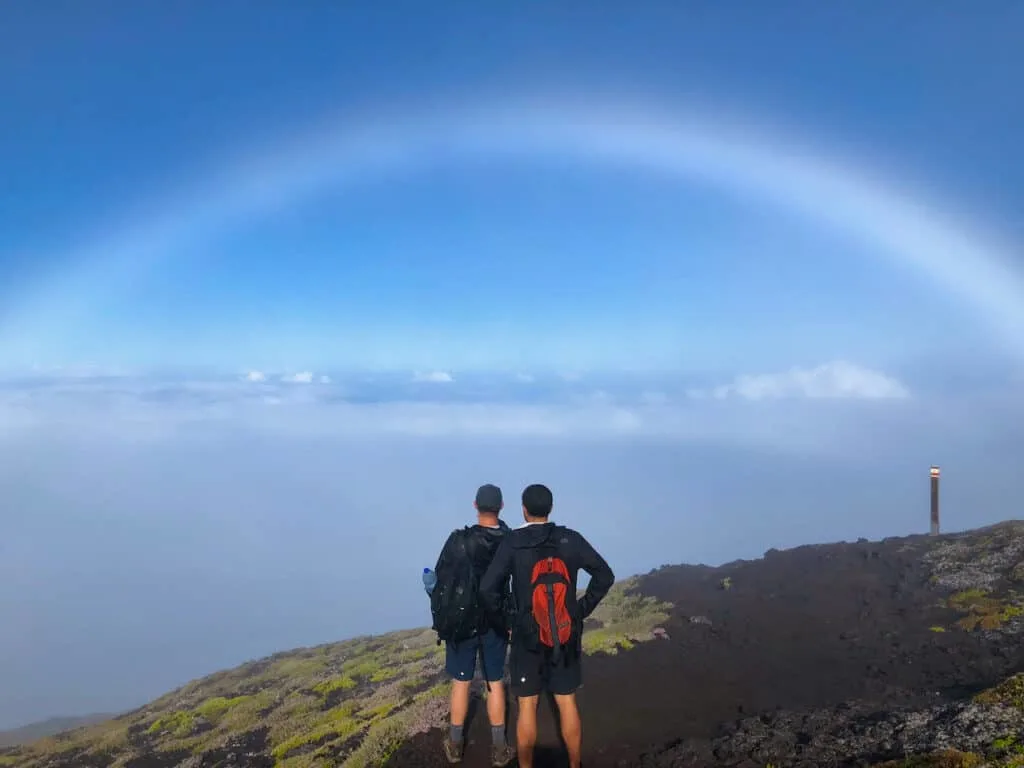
[901, 227]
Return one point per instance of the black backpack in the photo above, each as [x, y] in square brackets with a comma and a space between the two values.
[454, 602]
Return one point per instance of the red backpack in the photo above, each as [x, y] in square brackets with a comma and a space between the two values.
[549, 587]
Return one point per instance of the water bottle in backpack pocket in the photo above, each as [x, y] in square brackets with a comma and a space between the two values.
[429, 580]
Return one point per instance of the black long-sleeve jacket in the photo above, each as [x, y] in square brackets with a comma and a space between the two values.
[514, 559]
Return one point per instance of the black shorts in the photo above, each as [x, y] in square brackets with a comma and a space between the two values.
[533, 672]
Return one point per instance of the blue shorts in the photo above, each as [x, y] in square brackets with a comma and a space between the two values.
[460, 659]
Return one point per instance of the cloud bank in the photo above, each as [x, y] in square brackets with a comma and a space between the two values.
[834, 408]
[835, 380]
[259, 500]
[433, 377]
[304, 377]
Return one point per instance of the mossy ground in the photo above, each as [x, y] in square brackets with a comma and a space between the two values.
[950, 758]
[983, 609]
[347, 704]
[1010, 693]
[337, 704]
[623, 619]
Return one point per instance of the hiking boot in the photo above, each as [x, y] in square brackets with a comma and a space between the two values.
[502, 755]
[452, 750]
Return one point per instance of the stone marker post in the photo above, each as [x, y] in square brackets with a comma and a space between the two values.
[935, 500]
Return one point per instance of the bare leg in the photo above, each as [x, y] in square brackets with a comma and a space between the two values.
[572, 729]
[496, 703]
[526, 730]
[460, 701]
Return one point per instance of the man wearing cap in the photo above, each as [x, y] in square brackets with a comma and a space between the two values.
[491, 643]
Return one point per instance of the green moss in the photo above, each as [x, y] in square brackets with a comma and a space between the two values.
[381, 742]
[385, 673]
[334, 724]
[1010, 692]
[296, 668]
[435, 692]
[949, 758]
[625, 618]
[179, 724]
[376, 713]
[342, 683]
[247, 714]
[362, 668]
[410, 684]
[214, 709]
[1005, 743]
[982, 610]
[967, 598]
[415, 654]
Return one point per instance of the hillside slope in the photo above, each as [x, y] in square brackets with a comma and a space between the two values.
[350, 703]
[55, 725]
[841, 654]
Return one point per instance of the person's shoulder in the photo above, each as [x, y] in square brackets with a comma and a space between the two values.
[456, 533]
[568, 532]
[573, 537]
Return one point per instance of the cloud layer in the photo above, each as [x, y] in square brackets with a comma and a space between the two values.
[835, 380]
[270, 486]
[833, 408]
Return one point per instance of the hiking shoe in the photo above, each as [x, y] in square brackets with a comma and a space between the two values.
[502, 756]
[452, 750]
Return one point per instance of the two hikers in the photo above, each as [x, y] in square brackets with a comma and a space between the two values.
[467, 631]
[540, 616]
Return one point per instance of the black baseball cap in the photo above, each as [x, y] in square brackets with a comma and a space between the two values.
[488, 498]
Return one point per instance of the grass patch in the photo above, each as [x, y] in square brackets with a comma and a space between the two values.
[1010, 692]
[982, 610]
[947, 758]
[381, 742]
[327, 687]
[362, 668]
[180, 724]
[625, 617]
[1007, 743]
[337, 723]
[438, 691]
[385, 673]
[214, 709]
[377, 712]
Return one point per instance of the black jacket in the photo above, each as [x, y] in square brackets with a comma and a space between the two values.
[515, 558]
[482, 544]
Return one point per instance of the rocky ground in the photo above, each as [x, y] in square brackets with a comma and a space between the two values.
[856, 654]
[843, 654]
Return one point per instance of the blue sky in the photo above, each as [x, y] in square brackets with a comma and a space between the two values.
[115, 121]
[277, 281]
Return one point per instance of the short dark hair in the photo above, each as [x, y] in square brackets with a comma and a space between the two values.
[537, 500]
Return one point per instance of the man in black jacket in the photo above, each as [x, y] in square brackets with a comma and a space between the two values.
[489, 642]
[533, 667]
